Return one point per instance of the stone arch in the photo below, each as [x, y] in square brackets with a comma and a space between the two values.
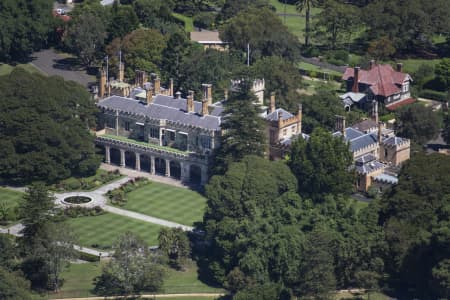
[130, 159]
[115, 156]
[160, 166]
[145, 163]
[195, 174]
[175, 169]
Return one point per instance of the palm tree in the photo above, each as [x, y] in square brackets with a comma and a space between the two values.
[306, 5]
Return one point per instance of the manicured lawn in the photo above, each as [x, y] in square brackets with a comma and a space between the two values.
[6, 69]
[178, 282]
[78, 280]
[10, 200]
[103, 230]
[310, 67]
[170, 203]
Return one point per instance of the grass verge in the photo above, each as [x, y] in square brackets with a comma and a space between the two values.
[166, 202]
[188, 22]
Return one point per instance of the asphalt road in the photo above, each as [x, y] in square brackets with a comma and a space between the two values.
[52, 63]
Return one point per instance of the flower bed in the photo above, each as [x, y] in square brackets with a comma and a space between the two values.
[118, 196]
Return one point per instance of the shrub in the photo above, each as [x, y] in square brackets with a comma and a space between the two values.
[78, 211]
[435, 95]
[88, 257]
[205, 20]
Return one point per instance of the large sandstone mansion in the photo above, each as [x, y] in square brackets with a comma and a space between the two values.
[151, 128]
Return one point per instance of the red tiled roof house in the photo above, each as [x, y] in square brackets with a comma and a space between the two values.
[382, 83]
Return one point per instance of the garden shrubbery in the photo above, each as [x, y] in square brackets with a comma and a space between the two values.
[89, 183]
[118, 196]
[79, 211]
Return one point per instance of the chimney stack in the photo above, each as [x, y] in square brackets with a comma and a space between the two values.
[299, 117]
[272, 102]
[280, 119]
[399, 67]
[205, 108]
[121, 71]
[371, 64]
[355, 88]
[102, 83]
[207, 93]
[190, 102]
[171, 87]
[380, 124]
[149, 96]
[140, 78]
[340, 124]
[225, 94]
[157, 85]
[375, 110]
[178, 94]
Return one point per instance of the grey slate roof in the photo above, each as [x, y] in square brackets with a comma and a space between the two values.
[369, 167]
[274, 115]
[394, 140]
[163, 109]
[357, 139]
[365, 125]
[365, 159]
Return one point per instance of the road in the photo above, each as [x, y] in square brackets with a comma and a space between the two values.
[52, 63]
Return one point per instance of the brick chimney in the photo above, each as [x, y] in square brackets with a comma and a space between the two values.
[121, 72]
[102, 83]
[205, 111]
[280, 119]
[149, 96]
[299, 117]
[207, 92]
[355, 88]
[272, 103]
[399, 67]
[371, 64]
[157, 85]
[140, 78]
[190, 102]
[171, 87]
[375, 111]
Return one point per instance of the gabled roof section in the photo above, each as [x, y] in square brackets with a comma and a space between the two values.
[273, 116]
[382, 79]
[206, 37]
[366, 125]
[394, 140]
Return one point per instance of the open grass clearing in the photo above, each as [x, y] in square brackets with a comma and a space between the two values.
[5, 69]
[310, 67]
[9, 204]
[166, 202]
[102, 231]
[188, 21]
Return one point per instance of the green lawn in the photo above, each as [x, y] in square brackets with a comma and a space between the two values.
[188, 22]
[310, 67]
[100, 178]
[103, 230]
[78, 280]
[361, 204]
[411, 65]
[6, 69]
[170, 203]
[10, 200]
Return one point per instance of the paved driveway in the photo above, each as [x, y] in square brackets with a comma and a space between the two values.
[52, 63]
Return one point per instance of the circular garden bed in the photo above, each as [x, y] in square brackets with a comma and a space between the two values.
[77, 199]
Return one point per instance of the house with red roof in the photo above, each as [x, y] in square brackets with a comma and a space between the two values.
[381, 83]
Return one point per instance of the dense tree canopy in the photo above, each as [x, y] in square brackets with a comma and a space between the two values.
[44, 128]
[418, 123]
[244, 131]
[416, 217]
[263, 31]
[321, 165]
[25, 26]
[13, 286]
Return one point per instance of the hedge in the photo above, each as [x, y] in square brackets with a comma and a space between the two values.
[434, 95]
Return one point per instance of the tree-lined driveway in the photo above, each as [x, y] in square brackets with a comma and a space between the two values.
[52, 63]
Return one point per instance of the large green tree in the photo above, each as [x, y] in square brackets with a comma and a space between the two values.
[174, 243]
[281, 77]
[13, 286]
[442, 71]
[132, 269]
[418, 123]
[244, 130]
[232, 7]
[141, 50]
[86, 37]
[25, 27]
[416, 217]
[251, 224]
[263, 31]
[44, 125]
[305, 6]
[321, 165]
